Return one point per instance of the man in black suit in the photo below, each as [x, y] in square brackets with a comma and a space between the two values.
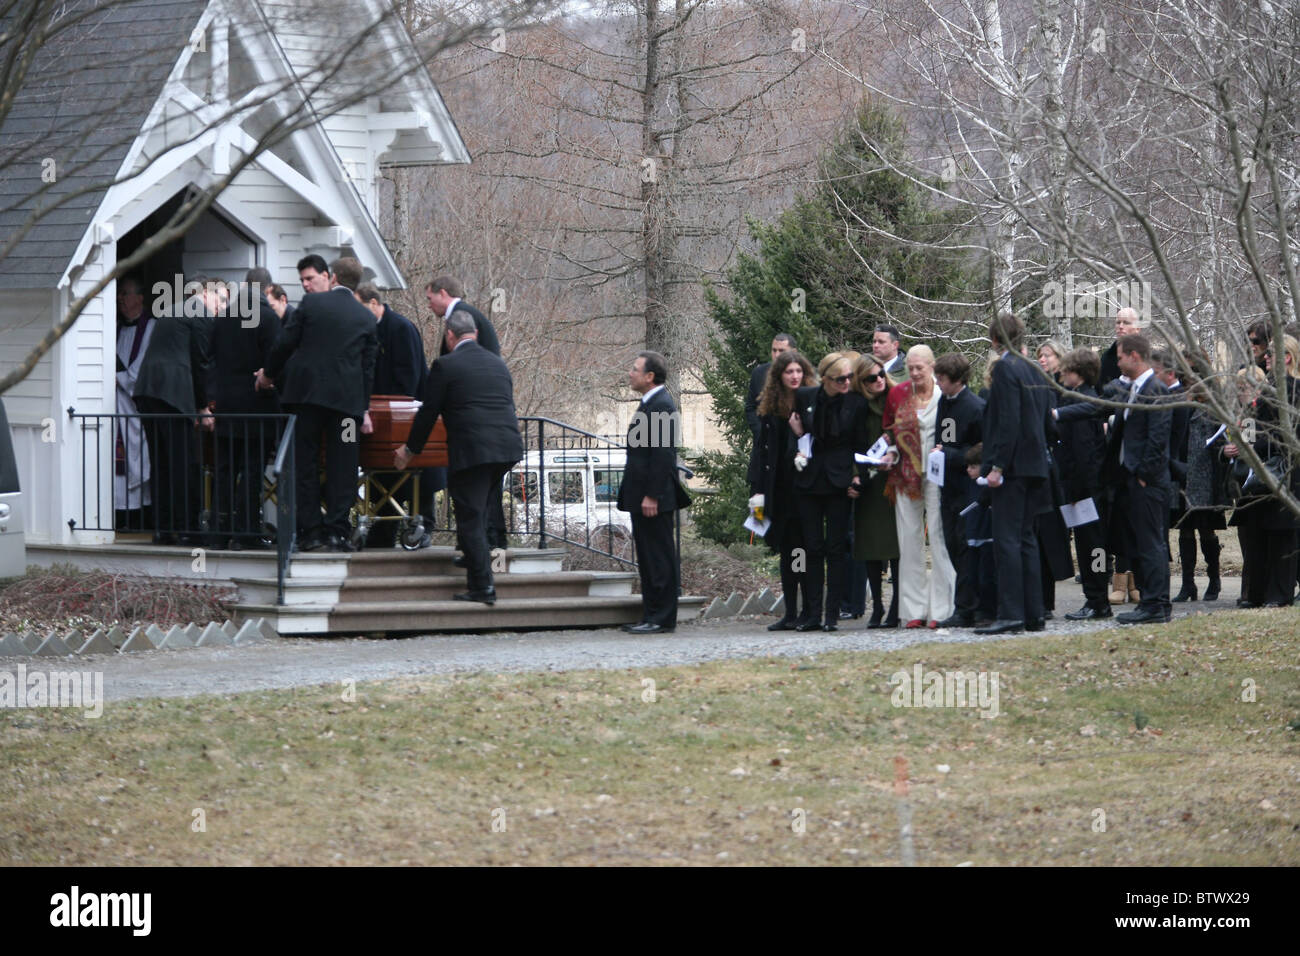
[1167, 372]
[471, 388]
[1141, 435]
[240, 345]
[445, 295]
[651, 491]
[173, 381]
[959, 423]
[1016, 465]
[325, 362]
[758, 378]
[885, 346]
[1126, 323]
[400, 369]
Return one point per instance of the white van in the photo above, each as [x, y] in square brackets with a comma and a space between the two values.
[581, 496]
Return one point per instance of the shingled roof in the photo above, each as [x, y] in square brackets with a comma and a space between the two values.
[85, 100]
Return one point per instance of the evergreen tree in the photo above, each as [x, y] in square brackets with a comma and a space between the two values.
[823, 273]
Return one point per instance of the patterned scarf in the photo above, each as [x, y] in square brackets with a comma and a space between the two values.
[908, 471]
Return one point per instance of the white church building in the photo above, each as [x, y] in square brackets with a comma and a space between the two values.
[143, 105]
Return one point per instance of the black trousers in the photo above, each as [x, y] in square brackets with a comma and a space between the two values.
[1090, 549]
[825, 521]
[1271, 556]
[471, 492]
[966, 596]
[792, 581]
[656, 559]
[174, 473]
[1016, 505]
[317, 428]
[1147, 510]
[982, 565]
[241, 450]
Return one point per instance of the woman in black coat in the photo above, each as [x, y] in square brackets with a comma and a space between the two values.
[772, 475]
[1267, 527]
[1079, 456]
[835, 416]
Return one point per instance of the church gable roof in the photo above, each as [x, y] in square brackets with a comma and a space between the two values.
[73, 121]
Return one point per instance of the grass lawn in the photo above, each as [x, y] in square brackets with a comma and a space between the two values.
[1144, 730]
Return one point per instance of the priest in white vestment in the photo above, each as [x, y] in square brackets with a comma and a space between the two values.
[130, 451]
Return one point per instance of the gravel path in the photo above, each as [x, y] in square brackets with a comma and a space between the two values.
[293, 662]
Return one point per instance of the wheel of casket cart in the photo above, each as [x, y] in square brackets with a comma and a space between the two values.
[411, 534]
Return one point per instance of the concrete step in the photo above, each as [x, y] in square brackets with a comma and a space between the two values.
[437, 560]
[429, 617]
[432, 587]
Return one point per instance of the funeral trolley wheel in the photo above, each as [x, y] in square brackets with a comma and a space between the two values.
[412, 533]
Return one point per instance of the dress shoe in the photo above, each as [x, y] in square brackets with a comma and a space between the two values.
[830, 627]
[1242, 602]
[486, 596]
[1188, 593]
[1002, 627]
[1087, 613]
[845, 615]
[932, 625]
[312, 541]
[340, 544]
[914, 624]
[1038, 625]
[874, 621]
[782, 625]
[1277, 604]
[808, 626]
[1049, 615]
[889, 622]
[1143, 615]
[459, 561]
[1211, 590]
[957, 620]
[645, 627]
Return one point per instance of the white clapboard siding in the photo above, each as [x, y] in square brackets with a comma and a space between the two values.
[25, 317]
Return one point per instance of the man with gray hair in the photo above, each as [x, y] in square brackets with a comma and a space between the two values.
[473, 392]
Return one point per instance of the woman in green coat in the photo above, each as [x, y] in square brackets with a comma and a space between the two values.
[875, 538]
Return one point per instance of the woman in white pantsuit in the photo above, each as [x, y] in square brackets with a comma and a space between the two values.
[910, 412]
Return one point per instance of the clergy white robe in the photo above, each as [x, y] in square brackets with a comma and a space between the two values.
[130, 451]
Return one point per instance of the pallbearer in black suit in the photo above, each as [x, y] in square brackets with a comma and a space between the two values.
[651, 491]
[1015, 462]
[471, 389]
[324, 363]
[1141, 435]
[400, 369]
[445, 295]
[958, 427]
[240, 345]
[173, 380]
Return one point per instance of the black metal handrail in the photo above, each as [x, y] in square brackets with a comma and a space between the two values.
[203, 488]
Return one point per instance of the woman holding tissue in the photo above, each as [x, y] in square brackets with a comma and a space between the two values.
[772, 474]
[833, 421]
[910, 419]
[875, 537]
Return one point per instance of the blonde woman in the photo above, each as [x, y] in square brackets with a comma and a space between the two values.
[910, 418]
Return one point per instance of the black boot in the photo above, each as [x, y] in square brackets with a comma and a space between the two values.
[875, 580]
[891, 619]
[1210, 547]
[1187, 559]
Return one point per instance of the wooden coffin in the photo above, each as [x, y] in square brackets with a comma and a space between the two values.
[392, 416]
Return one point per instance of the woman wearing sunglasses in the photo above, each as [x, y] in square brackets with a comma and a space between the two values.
[835, 416]
[910, 417]
[772, 474]
[875, 538]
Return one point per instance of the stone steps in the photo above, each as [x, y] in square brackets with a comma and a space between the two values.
[430, 617]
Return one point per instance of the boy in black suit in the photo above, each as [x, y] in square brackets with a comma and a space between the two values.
[958, 424]
[650, 492]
